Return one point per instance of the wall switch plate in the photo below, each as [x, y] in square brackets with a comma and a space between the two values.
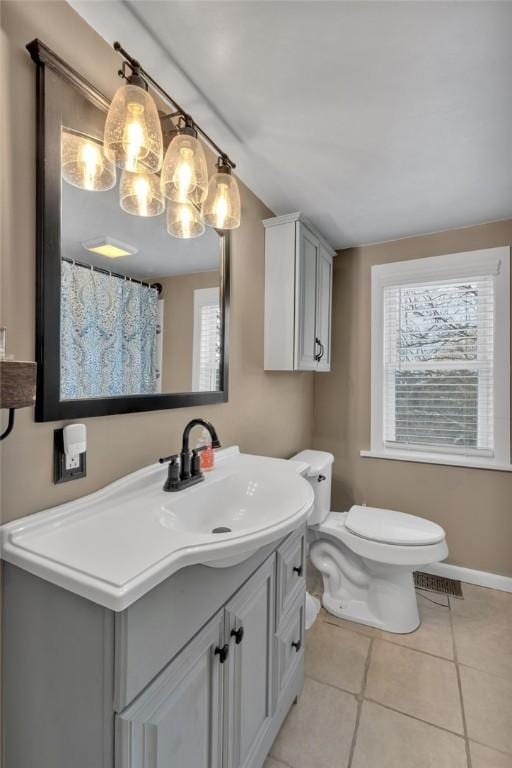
[61, 472]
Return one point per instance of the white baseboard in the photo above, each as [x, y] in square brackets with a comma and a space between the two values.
[480, 578]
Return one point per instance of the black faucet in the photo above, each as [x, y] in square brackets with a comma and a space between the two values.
[187, 471]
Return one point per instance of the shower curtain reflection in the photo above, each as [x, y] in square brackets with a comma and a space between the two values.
[108, 335]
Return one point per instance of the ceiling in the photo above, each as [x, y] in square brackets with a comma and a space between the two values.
[377, 120]
[90, 215]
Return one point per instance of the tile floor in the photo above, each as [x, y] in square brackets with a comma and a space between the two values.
[440, 697]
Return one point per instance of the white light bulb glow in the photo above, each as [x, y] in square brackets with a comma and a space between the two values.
[91, 163]
[221, 205]
[134, 137]
[142, 193]
[184, 176]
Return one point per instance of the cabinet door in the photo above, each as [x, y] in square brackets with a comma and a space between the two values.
[250, 621]
[323, 308]
[306, 348]
[176, 722]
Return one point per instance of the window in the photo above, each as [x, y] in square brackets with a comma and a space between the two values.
[206, 344]
[441, 359]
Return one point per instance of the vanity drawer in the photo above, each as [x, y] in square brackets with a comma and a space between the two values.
[289, 645]
[291, 571]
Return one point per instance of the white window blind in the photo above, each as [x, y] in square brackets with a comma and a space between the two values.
[209, 348]
[206, 356]
[441, 358]
[438, 365]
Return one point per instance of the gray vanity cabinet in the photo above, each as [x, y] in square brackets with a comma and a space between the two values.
[249, 692]
[203, 711]
[148, 687]
[177, 721]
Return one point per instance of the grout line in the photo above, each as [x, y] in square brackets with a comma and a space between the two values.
[335, 687]
[414, 717]
[490, 747]
[388, 638]
[459, 685]
[360, 699]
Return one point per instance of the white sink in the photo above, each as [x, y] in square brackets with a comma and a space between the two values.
[118, 543]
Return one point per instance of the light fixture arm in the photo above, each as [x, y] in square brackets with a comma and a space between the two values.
[138, 71]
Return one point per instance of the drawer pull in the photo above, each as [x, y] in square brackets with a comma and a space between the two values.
[297, 645]
[222, 653]
[298, 570]
[238, 634]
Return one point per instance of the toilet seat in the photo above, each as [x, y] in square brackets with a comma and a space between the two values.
[335, 526]
[391, 527]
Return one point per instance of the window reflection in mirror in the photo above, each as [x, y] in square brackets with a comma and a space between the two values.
[140, 309]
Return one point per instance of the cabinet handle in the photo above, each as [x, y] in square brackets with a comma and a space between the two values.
[222, 652]
[238, 634]
[298, 570]
[320, 354]
[297, 645]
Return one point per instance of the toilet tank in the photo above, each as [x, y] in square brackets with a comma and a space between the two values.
[319, 475]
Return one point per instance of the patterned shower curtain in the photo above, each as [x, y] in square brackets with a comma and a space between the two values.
[108, 335]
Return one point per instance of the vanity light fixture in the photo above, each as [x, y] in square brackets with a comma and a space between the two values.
[222, 207]
[140, 194]
[83, 163]
[184, 220]
[135, 143]
[109, 247]
[133, 134]
[184, 173]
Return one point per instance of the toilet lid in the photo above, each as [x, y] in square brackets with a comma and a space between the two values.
[392, 527]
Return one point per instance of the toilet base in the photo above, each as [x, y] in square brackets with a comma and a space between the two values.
[359, 613]
[364, 591]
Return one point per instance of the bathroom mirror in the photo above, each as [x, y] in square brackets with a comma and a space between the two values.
[130, 318]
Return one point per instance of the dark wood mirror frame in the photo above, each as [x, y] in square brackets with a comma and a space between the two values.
[49, 406]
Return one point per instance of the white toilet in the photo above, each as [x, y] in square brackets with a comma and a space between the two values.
[367, 556]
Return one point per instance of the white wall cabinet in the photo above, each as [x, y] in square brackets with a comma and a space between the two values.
[298, 296]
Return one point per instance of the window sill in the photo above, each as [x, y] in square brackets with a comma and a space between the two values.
[431, 458]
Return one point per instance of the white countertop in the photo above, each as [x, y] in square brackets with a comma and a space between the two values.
[116, 544]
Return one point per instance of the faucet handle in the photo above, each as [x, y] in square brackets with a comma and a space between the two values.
[165, 459]
[196, 461]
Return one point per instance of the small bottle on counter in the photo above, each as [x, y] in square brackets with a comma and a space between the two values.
[206, 456]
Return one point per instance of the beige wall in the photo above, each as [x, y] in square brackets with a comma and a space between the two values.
[474, 506]
[268, 413]
[178, 327]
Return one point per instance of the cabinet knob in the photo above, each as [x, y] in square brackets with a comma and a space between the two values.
[297, 645]
[222, 652]
[298, 570]
[238, 634]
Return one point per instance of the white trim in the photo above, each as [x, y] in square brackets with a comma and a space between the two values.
[495, 261]
[297, 216]
[456, 266]
[449, 460]
[470, 576]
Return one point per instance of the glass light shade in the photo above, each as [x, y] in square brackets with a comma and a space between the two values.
[184, 220]
[140, 194]
[133, 135]
[184, 172]
[222, 206]
[83, 163]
